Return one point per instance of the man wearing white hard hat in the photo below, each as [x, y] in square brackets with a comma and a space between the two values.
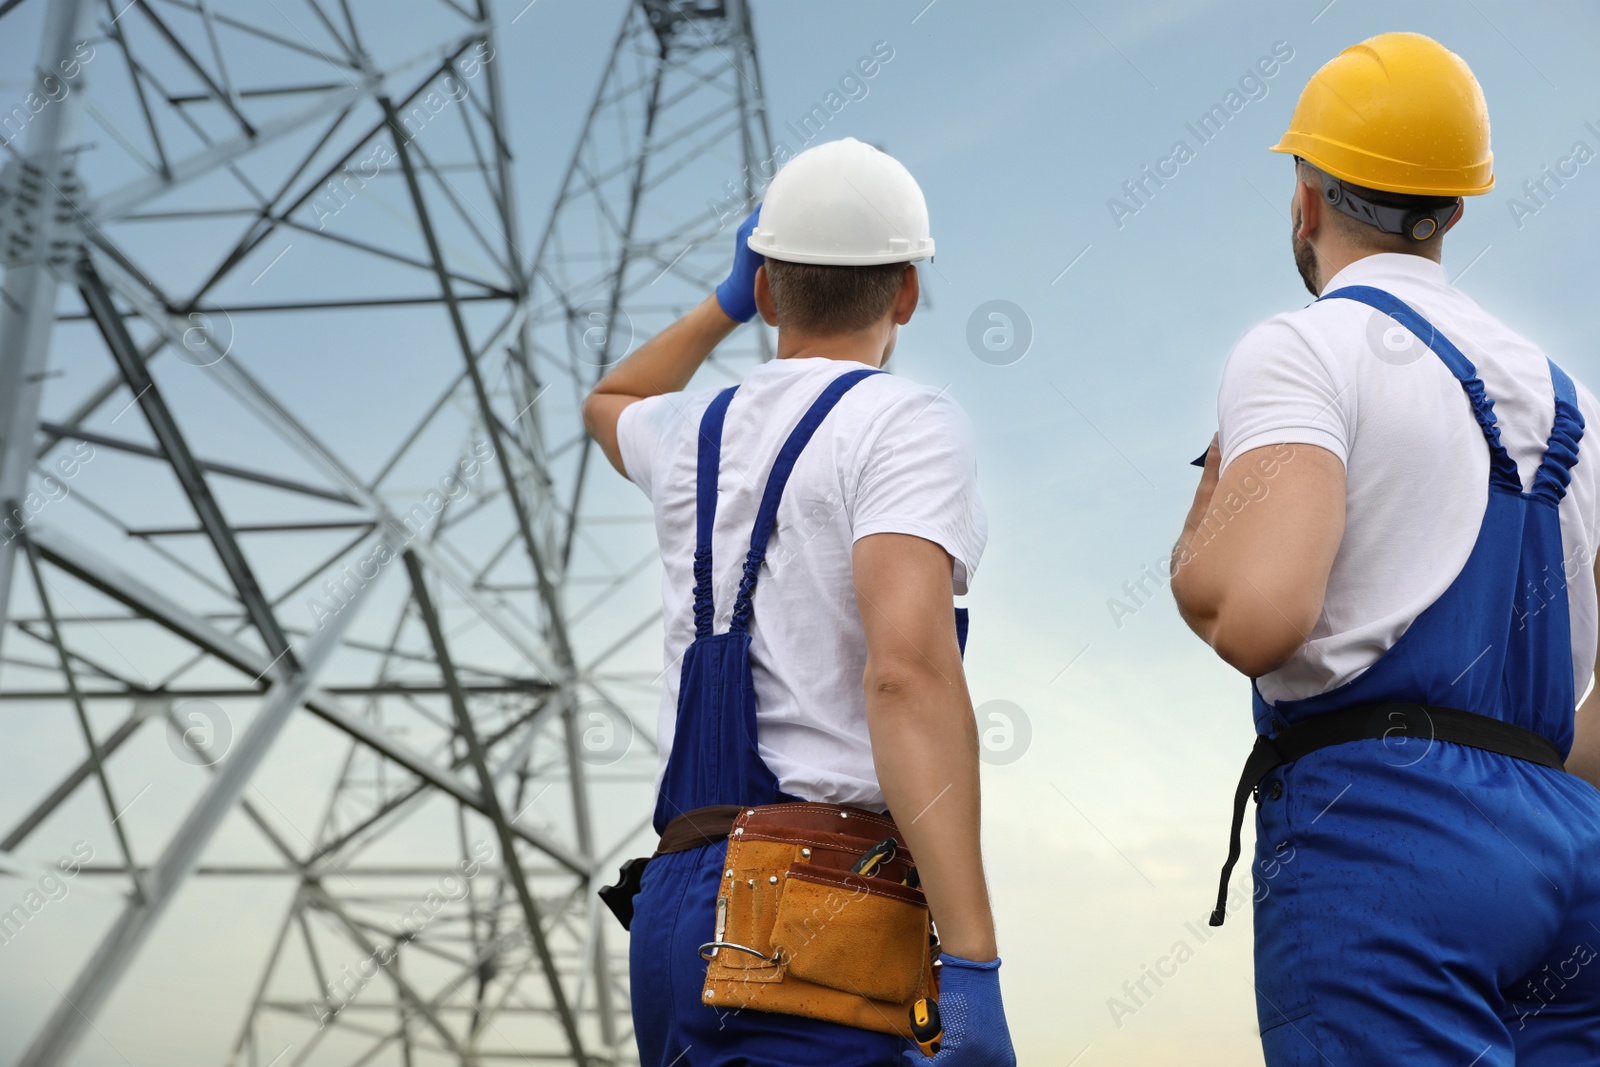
[814, 522]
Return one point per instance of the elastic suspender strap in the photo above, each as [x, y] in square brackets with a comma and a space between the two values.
[1388, 722]
[1566, 430]
[709, 462]
[772, 495]
[1502, 470]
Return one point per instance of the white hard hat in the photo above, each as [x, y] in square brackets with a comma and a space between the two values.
[844, 203]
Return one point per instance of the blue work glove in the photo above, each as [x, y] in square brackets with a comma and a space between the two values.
[737, 293]
[975, 1033]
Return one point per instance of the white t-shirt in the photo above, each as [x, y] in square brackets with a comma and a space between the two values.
[892, 457]
[1343, 376]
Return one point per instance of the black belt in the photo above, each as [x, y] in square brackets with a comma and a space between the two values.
[1376, 722]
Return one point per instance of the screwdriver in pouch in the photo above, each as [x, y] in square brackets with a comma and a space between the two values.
[875, 857]
[926, 1027]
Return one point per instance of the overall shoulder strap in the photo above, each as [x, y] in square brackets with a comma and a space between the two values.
[1566, 430]
[1502, 470]
[772, 495]
[709, 462]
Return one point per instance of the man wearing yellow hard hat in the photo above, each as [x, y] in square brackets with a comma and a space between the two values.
[1395, 537]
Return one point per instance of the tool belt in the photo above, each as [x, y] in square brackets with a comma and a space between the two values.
[1376, 722]
[797, 932]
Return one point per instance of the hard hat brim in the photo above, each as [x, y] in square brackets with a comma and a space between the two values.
[836, 259]
[1344, 163]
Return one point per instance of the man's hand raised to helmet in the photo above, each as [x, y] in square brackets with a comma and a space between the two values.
[666, 362]
[737, 293]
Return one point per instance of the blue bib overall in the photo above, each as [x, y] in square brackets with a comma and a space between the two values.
[715, 760]
[1426, 903]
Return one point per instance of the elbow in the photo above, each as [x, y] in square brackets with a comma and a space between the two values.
[896, 682]
[890, 682]
[1252, 631]
[1256, 642]
[1253, 661]
[590, 412]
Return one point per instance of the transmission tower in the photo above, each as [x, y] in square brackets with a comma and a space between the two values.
[314, 601]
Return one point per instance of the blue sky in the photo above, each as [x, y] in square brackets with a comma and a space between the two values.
[1023, 121]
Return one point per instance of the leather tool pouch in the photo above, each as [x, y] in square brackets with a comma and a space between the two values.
[798, 934]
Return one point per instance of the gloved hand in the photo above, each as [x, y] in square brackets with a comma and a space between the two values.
[737, 293]
[975, 1033]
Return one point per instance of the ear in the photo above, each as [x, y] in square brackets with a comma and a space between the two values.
[905, 302]
[764, 304]
[1311, 206]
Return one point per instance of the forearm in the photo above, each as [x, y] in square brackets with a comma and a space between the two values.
[666, 362]
[1251, 567]
[663, 364]
[1196, 592]
[1195, 585]
[925, 747]
[1241, 607]
[1206, 583]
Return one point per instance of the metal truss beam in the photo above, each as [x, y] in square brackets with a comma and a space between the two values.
[85, 565]
[188, 471]
[40, 228]
[65, 1027]
[491, 800]
[522, 613]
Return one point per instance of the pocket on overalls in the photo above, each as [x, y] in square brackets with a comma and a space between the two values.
[861, 935]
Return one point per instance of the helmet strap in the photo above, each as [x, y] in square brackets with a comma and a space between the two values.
[1416, 224]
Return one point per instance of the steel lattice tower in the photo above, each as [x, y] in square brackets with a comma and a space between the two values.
[302, 536]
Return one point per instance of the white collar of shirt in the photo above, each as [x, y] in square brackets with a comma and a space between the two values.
[1373, 270]
[804, 363]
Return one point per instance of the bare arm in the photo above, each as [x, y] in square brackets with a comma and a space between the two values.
[663, 364]
[924, 738]
[1250, 570]
[1584, 760]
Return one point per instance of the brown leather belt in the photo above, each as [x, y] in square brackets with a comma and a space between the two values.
[709, 825]
[702, 826]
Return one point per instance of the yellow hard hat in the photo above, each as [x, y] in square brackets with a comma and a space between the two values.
[1398, 112]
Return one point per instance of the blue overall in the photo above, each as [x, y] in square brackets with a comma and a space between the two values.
[715, 760]
[1420, 902]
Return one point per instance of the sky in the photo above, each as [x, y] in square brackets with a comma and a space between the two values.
[1106, 817]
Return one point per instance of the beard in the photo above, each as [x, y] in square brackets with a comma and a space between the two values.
[1305, 257]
